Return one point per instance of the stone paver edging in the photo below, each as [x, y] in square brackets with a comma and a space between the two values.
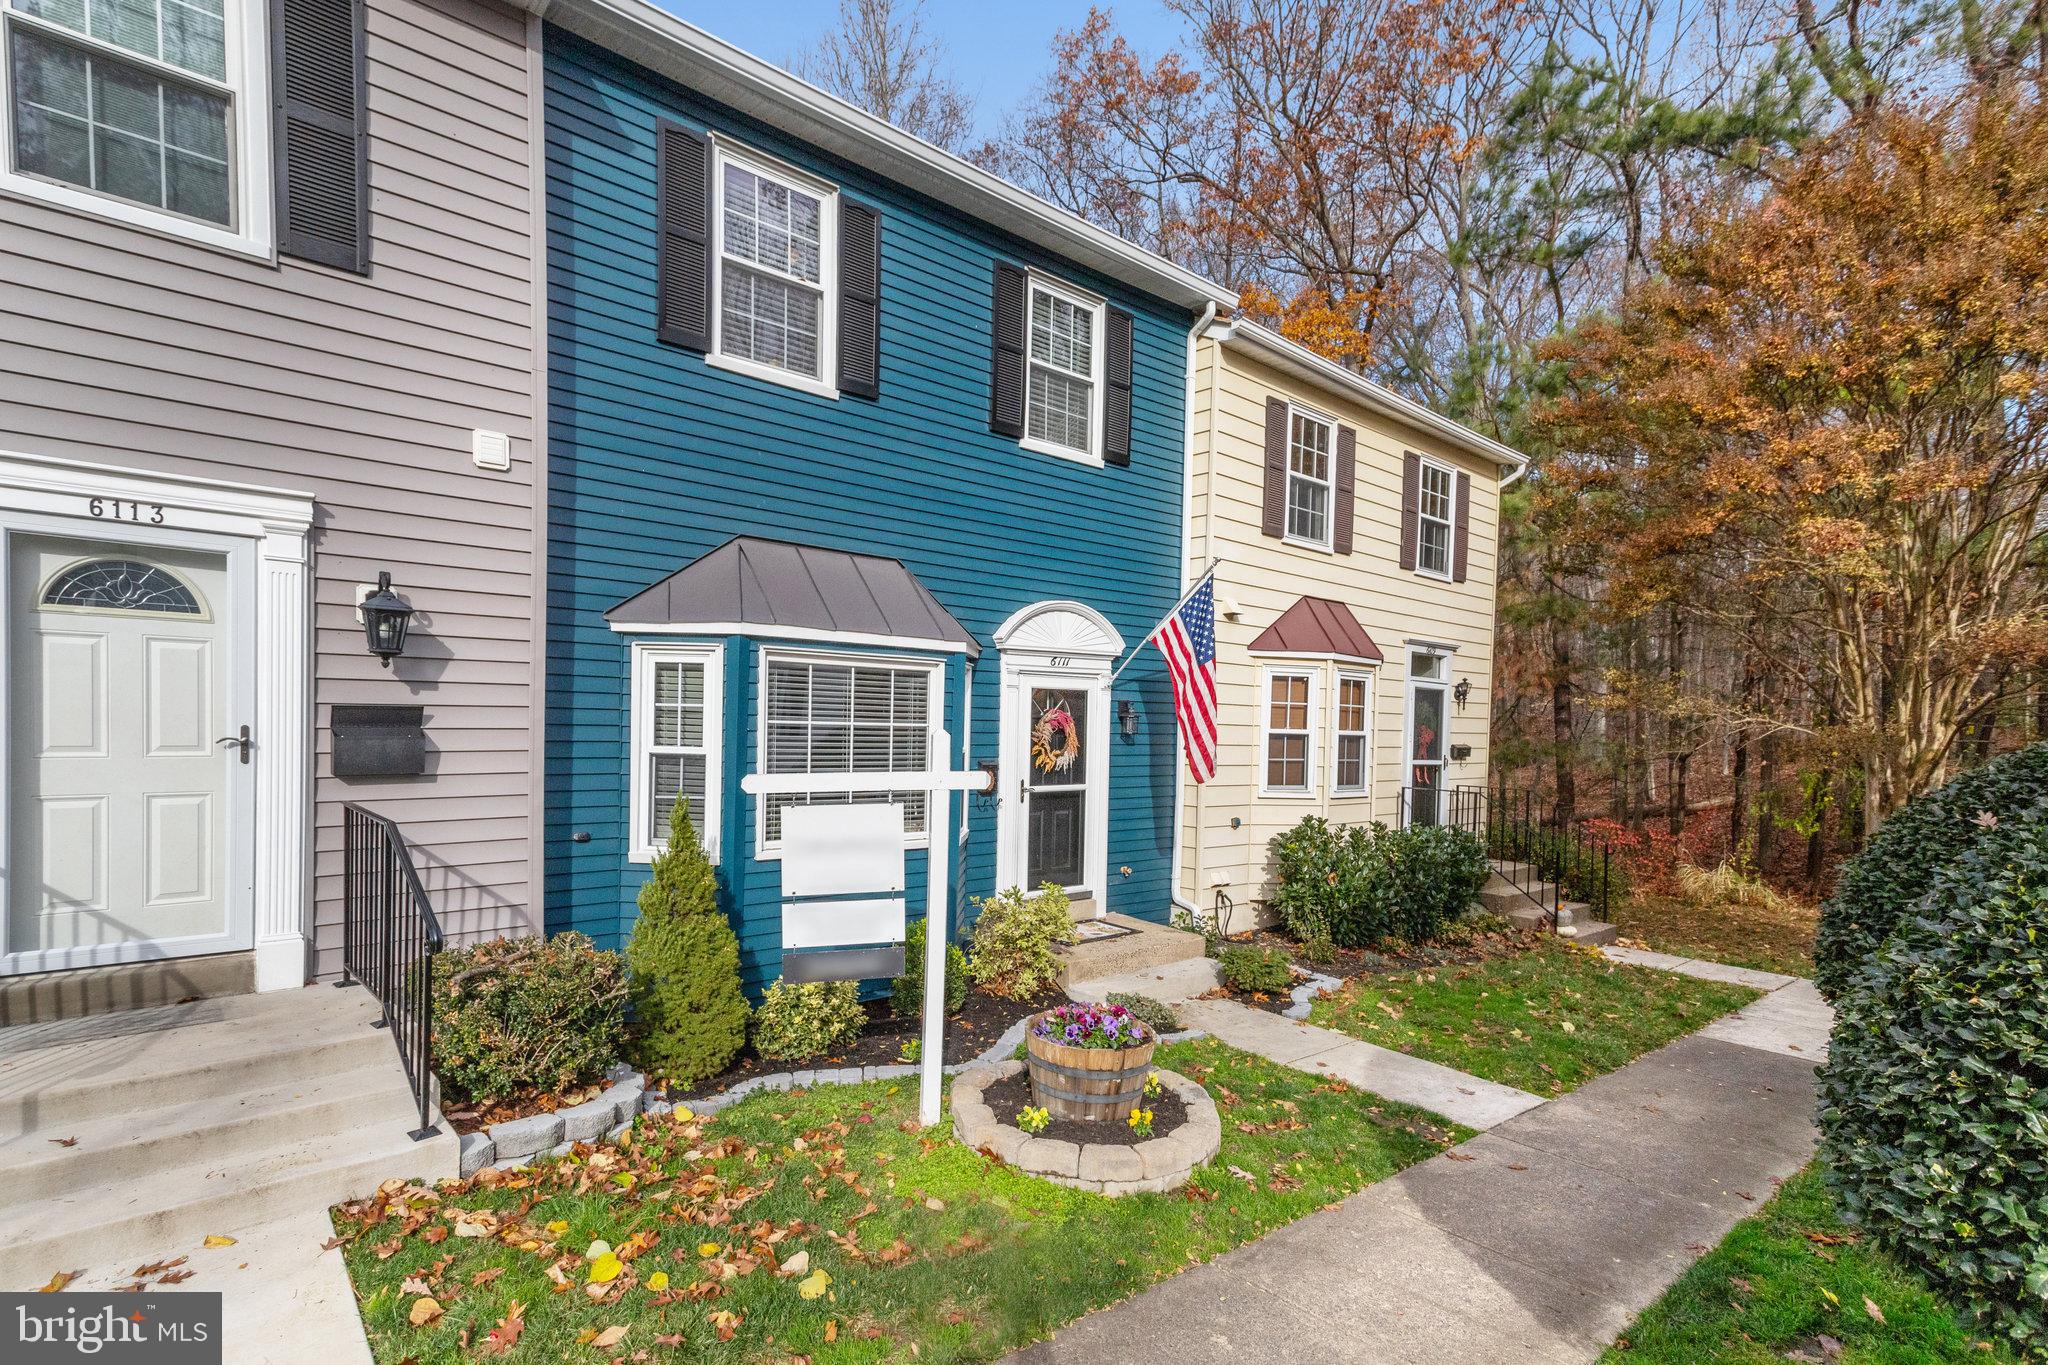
[1304, 995]
[1152, 1166]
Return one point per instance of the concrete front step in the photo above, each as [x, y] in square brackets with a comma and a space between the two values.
[180, 1206]
[1148, 945]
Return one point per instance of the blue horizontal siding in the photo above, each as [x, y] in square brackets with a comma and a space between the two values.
[656, 457]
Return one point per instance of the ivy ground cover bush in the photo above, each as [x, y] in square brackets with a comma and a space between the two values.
[829, 1222]
[1788, 1276]
[1934, 1117]
[523, 1015]
[1544, 1020]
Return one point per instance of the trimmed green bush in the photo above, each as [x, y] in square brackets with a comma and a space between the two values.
[1014, 938]
[907, 999]
[684, 963]
[1263, 970]
[517, 1015]
[804, 1020]
[1934, 1100]
[1437, 871]
[1156, 1015]
[1900, 860]
[1358, 887]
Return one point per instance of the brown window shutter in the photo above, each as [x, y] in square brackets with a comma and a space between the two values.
[322, 132]
[1006, 343]
[1462, 524]
[1273, 518]
[1116, 399]
[1411, 505]
[682, 258]
[1347, 489]
[860, 300]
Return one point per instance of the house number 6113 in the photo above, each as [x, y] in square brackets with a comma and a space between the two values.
[120, 509]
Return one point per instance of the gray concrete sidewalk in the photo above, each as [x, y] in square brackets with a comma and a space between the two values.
[1537, 1241]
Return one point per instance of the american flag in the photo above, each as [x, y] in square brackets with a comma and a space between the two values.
[1188, 640]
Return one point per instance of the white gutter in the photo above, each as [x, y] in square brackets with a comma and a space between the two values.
[1187, 541]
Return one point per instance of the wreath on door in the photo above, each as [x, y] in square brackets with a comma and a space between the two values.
[1055, 740]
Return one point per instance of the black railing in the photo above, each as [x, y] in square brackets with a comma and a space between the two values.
[388, 940]
[1550, 860]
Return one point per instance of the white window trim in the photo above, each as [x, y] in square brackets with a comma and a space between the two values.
[1098, 311]
[640, 848]
[935, 702]
[1267, 675]
[1327, 545]
[247, 87]
[1450, 524]
[724, 152]
[1338, 734]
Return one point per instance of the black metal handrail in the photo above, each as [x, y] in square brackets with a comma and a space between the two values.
[1550, 860]
[388, 940]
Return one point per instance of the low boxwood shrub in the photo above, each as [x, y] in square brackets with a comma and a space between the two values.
[1900, 860]
[797, 1020]
[1934, 1100]
[517, 1015]
[1358, 887]
[1156, 1014]
[685, 964]
[1014, 938]
[1262, 970]
[906, 999]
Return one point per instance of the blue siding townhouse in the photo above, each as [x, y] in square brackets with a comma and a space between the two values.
[848, 440]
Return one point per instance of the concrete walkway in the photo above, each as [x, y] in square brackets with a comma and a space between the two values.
[1539, 1240]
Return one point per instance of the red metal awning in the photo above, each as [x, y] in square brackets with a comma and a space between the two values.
[1317, 626]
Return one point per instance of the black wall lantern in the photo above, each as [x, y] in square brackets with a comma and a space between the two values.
[1127, 718]
[1461, 691]
[385, 618]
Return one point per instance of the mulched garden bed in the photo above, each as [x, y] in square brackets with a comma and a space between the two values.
[1013, 1093]
[474, 1118]
[971, 1032]
[1347, 964]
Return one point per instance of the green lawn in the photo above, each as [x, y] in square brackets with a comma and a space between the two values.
[1545, 1020]
[1769, 937]
[926, 1249]
[1788, 1276]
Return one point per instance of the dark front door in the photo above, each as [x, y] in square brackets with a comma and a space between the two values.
[1056, 833]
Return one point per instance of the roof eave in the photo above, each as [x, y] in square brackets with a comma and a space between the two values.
[688, 55]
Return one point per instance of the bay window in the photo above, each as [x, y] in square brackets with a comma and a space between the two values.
[838, 714]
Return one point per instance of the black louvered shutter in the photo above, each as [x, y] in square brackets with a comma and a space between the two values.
[1116, 398]
[1411, 506]
[860, 300]
[1344, 505]
[1006, 379]
[1273, 490]
[682, 257]
[322, 132]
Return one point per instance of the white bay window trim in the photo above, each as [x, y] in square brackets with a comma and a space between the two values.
[1039, 372]
[725, 154]
[1357, 736]
[1311, 693]
[642, 846]
[245, 84]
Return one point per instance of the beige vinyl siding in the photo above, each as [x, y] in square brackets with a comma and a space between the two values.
[137, 350]
[1261, 576]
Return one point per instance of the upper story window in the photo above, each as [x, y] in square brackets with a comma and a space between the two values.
[1311, 485]
[141, 110]
[1063, 397]
[1433, 524]
[775, 258]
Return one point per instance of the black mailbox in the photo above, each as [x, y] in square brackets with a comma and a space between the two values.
[1461, 752]
[379, 741]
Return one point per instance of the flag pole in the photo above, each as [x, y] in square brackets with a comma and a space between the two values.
[1206, 575]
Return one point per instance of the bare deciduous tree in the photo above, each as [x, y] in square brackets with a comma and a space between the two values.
[881, 58]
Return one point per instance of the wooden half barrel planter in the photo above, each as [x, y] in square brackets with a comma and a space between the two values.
[1098, 1083]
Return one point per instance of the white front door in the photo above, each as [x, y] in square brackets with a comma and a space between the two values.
[122, 795]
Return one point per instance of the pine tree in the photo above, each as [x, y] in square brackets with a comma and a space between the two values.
[684, 964]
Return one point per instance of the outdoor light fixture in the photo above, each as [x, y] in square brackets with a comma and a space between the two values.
[385, 618]
[1461, 691]
[1127, 717]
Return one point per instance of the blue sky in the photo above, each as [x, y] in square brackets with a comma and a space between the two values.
[996, 51]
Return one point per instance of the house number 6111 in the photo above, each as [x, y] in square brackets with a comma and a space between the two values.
[119, 509]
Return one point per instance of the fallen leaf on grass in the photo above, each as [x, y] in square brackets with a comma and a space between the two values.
[724, 1323]
[1876, 1313]
[216, 1240]
[796, 1265]
[610, 1336]
[486, 1276]
[814, 1285]
[424, 1311]
[502, 1338]
[59, 1280]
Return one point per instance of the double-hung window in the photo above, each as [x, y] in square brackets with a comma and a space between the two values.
[1063, 393]
[1290, 709]
[1434, 528]
[842, 714]
[1311, 482]
[676, 725]
[141, 110]
[776, 263]
[1353, 749]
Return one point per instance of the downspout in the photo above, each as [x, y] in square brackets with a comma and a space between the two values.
[1187, 540]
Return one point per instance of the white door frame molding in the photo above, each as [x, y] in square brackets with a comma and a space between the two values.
[1054, 644]
[270, 526]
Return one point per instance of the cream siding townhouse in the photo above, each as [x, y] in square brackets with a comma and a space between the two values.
[1354, 537]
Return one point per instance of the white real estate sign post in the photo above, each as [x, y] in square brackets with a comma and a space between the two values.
[845, 851]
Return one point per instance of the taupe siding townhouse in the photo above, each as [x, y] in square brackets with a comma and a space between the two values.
[237, 383]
